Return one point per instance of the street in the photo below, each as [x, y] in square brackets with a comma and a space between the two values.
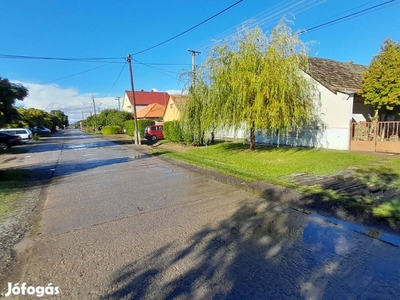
[119, 224]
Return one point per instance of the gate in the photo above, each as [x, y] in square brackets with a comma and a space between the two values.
[375, 136]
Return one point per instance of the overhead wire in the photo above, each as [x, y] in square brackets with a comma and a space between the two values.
[95, 60]
[187, 30]
[157, 69]
[76, 74]
[349, 16]
[272, 15]
[115, 82]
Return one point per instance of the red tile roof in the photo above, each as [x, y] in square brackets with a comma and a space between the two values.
[146, 98]
[154, 110]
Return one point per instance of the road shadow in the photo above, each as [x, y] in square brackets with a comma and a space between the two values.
[263, 251]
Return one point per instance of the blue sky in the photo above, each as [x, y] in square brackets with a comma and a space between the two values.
[110, 30]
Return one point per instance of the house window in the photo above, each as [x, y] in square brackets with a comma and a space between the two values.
[170, 106]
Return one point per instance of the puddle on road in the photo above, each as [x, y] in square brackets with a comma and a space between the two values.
[84, 146]
[23, 244]
[376, 234]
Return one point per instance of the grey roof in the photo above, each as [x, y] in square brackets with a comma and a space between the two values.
[336, 76]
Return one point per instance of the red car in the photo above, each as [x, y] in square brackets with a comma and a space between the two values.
[154, 133]
[9, 140]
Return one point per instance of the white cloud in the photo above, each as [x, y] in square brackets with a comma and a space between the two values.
[69, 100]
[177, 92]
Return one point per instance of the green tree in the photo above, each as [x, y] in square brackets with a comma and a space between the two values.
[59, 118]
[113, 117]
[381, 82]
[9, 93]
[251, 81]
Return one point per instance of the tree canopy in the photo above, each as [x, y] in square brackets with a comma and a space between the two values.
[9, 93]
[381, 82]
[59, 118]
[108, 117]
[251, 81]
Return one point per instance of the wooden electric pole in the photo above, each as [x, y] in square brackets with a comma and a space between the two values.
[137, 139]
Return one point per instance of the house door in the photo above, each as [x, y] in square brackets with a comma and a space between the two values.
[375, 136]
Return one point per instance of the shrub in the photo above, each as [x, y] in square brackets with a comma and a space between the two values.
[36, 137]
[110, 130]
[173, 131]
[130, 126]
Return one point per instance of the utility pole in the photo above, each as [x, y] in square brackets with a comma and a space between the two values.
[95, 116]
[194, 52]
[117, 98]
[137, 139]
[82, 116]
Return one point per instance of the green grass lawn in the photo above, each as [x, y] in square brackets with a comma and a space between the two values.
[270, 164]
[11, 184]
[275, 165]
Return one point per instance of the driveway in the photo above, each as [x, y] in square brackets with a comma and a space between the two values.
[118, 224]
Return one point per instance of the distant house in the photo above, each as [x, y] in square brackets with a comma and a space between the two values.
[172, 111]
[152, 111]
[143, 99]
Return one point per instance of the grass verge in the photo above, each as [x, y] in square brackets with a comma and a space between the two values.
[11, 183]
[269, 164]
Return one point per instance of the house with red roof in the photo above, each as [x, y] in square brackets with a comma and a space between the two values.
[143, 99]
[152, 111]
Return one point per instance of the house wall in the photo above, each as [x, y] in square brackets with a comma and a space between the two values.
[171, 111]
[334, 112]
[126, 105]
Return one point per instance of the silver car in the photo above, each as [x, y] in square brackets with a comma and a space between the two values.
[25, 133]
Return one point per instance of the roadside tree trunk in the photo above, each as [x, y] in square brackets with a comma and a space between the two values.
[252, 137]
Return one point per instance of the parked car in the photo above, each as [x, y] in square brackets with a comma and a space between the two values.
[8, 140]
[24, 133]
[154, 133]
[40, 129]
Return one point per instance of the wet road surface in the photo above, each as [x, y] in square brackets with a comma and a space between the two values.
[118, 224]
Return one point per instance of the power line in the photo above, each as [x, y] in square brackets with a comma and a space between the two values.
[96, 60]
[191, 28]
[74, 74]
[157, 69]
[271, 14]
[349, 16]
[119, 75]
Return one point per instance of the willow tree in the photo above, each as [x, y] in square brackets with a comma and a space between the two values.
[254, 81]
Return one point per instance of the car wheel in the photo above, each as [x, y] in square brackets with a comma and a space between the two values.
[3, 146]
[153, 138]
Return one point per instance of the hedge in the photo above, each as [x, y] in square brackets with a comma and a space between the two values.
[110, 130]
[172, 131]
[142, 124]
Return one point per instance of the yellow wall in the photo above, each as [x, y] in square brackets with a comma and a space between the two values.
[171, 111]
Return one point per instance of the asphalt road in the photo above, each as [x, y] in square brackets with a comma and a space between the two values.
[118, 224]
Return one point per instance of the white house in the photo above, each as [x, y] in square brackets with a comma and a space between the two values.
[337, 104]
